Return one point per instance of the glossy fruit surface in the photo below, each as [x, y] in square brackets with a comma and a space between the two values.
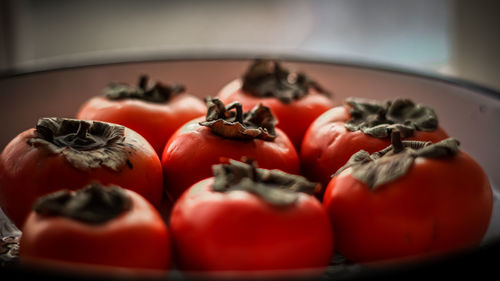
[238, 231]
[155, 120]
[328, 144]
[190, 153]
[438, 206]
[293, 98]
[137, 238]
[31, 166]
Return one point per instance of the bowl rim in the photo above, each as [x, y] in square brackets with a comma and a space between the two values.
[241, 56]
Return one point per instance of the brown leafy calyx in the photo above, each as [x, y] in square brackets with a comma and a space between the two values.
[395, 160]
[84, 144]
[231, 122]
[266, 78]
[92, 204]
[379, 120]
[276, 187]
[156, 92]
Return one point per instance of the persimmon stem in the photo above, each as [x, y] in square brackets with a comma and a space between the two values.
[239, 111]
[83, 130]
[253, 173]
[397, 144]
[143, 82]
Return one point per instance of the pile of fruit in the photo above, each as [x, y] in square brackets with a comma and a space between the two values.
[268, 174]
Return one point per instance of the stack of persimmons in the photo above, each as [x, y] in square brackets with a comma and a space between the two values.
[269, 174]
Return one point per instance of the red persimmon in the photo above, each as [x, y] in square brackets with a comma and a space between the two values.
[411, 200]
[199, 144]
[65, 153]
[97, 225]
[154, 111]
[294, 98]
[248, 219]
[362, 124]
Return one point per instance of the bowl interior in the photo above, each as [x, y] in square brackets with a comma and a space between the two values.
[466, 113]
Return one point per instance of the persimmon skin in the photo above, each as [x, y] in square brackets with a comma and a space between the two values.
[440, 206]
[190, 153]
[293, 118]
[28, 172]
[216, 231]
[328, 145]
[156, 122]
[137, 238]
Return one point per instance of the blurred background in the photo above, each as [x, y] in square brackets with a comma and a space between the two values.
[457, 38]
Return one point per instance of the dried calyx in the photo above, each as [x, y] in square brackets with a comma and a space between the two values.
[85, 144]
[276, 187]
[266, 78]
[378, 120]
[231, 122]
[157, 92]
[92, 204]
[9, 248]
[395, 160]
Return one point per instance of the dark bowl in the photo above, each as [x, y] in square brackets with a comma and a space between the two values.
[468, 111]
